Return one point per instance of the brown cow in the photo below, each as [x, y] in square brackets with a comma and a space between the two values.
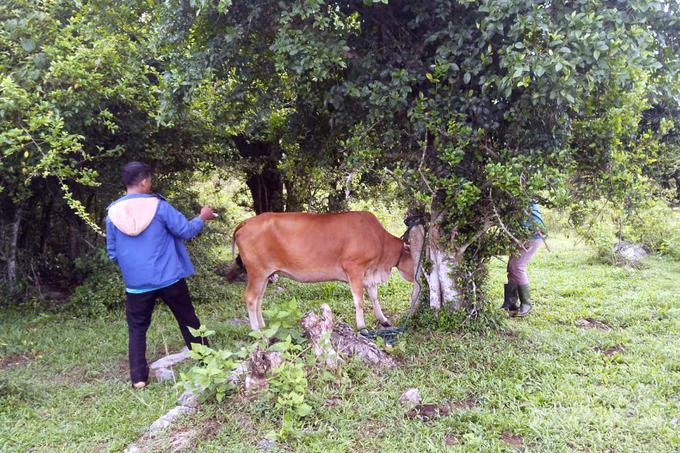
[349, 247]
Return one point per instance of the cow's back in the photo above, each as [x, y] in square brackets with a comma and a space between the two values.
[310, 247]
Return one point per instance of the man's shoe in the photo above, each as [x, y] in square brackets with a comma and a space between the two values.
[510, 297]
[139, 385]
[525, 299]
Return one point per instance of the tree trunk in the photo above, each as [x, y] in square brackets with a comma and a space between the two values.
[45, 223]
[417, 242]
[263, 178]
[266, 188]
[292, 202]
[446, 255]
[73, 231]
[442, 287]
[12, 255]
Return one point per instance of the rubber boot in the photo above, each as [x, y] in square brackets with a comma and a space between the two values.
[510, 297]
[525, 299]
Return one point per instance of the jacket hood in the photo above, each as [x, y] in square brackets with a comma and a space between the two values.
[131, 215]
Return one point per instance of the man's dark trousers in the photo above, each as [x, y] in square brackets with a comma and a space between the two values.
[138, 315]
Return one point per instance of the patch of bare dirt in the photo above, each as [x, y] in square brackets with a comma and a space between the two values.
[451, 439]
[512, 440]
[468, 404]
[508, 334]
[15, 360]
[618, 349]
[590, 323]
[74, 375]
[427, 412]
[332, 402]
[432, 411]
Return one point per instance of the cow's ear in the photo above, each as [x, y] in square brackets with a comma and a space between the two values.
[407, 247]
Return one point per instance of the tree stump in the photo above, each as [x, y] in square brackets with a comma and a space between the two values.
[259, 363]
[343, 340]
[317, 329]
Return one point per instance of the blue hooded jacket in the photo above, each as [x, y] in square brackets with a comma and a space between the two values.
[144, 235]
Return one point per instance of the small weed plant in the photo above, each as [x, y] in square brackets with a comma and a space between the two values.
[210, 376]
[288, 384]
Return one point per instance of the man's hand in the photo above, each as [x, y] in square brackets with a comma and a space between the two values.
[207, 213]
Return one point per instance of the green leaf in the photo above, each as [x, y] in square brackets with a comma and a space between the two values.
[466, 78]
[28, 45]
[304, 409]
[281, 346]
[271, 331]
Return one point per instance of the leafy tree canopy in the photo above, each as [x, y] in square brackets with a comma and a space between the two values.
[474, 107]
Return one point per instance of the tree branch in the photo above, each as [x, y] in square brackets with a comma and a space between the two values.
[502, 225]
[420, 166]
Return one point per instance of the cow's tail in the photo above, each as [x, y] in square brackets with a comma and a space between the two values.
[238, 263]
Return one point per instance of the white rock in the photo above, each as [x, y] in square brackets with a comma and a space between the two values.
[410, 397]
[629, 253]
[170, 360]
[171, 417]
[188, 399]
[264, 445]
[163, 374]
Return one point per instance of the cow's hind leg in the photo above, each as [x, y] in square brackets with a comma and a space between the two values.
[373, 294]
[253, 296]
[356, 283]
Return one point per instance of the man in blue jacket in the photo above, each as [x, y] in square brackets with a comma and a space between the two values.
[144, 235]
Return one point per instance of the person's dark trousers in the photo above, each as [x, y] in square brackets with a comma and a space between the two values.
[138, 315]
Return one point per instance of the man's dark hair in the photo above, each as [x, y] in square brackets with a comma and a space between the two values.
[134, 172]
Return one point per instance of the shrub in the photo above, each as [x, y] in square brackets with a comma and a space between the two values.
[655, 226]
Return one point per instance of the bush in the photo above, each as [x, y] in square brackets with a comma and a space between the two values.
[103, 288]
[655, 226]
[556, 221]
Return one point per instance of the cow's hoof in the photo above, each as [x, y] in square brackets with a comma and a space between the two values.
[385, 325]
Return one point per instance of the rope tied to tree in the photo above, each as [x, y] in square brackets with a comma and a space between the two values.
[390, 335]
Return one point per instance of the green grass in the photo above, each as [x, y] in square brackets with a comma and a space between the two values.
[550, 382]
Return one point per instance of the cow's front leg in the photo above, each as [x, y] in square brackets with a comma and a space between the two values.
[356, 283]
[373, 294]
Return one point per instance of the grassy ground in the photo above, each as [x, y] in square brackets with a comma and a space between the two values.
[596, 368]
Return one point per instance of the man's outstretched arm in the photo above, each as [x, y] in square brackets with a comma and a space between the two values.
[179, 225]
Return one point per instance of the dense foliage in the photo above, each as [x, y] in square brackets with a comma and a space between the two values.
[474, 108]
[78, 100]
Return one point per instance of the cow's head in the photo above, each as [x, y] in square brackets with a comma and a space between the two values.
[405, 266]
